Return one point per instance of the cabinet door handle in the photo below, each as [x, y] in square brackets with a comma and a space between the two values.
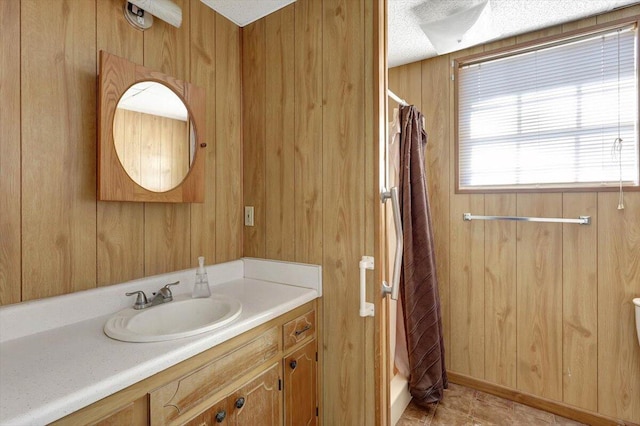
[293, 364]
[220, 416]
[306, 327]
[240, 402]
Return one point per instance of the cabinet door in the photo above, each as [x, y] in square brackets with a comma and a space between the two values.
[258, 402]
[219, 413]
[300, 386]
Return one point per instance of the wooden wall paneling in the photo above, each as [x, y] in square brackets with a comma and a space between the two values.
[576, 25]
[580, 302]
[370, 182]
[619, 14]
[535, 35]
[173, 171]
[203, 73]
[150, 171]
[467, 286]
[308, 158]
[254, 135]
[465, 268]
[127, 134]
[382, 364]
[167, 238]
[539, 299]
[487, 47]
[406, 82]
[395, 76]
[308, 131]
[343, 204]
[500, 291]
[618, 284]
[163, 138]
[435, 101]
[115, 34]
[58, 78]
[120, 226]
[500, 281]
[279, 134]
[167, 48]
[10, 184]
[228, 134]
[167, 226]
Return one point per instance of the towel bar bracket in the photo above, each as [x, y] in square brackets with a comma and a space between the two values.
[366, 309]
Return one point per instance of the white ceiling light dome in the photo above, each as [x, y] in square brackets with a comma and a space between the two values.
[462, 29]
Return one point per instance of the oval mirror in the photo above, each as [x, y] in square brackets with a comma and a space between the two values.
[154, 136]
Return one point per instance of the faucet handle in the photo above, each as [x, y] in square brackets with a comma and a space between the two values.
[166, 291]
[167, 286]
[141, 300]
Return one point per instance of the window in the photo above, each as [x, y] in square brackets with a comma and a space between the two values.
[549, 116]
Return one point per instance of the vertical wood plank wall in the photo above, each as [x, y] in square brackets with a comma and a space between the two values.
[227, 196]
[541, 308]
[308, 136]
[10, 183]
[56, 238]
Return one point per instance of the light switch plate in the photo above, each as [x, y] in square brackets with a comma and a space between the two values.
[248, 215]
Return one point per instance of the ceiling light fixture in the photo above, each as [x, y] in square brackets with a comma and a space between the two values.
[140, 13]
[463, 29]
[244, 12]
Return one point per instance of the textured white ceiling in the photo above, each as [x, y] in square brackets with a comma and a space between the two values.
[154, 98]
[407, 42]
[244, 12]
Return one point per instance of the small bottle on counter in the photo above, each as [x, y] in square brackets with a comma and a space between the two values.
[201, 287]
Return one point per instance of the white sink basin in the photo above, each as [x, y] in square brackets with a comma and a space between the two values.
[182, 317]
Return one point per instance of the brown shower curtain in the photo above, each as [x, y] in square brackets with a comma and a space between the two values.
[418, 279]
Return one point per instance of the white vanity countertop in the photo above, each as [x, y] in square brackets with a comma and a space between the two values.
[52, 372]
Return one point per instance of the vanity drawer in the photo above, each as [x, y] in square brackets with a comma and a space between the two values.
[298, 329]
[173, 400]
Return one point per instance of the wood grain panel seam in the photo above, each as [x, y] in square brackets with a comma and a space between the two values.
[293, 136]
[485, 293]
[562, 391]
[517, 386]
[597, 323]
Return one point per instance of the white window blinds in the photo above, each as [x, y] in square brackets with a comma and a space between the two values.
[548, 117]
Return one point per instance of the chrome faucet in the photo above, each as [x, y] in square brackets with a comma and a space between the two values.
[163, 295]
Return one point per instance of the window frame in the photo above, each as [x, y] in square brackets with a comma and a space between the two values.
[519, 48]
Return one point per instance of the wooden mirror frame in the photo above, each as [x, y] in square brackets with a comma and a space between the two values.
[114, 184]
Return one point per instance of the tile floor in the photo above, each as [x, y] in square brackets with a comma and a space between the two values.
[464, 406]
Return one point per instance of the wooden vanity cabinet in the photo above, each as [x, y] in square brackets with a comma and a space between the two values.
[121, 416]
[216, 415]
[265, 376]
[258, 402]
[300, 371]
[300, 396]
[255, 403]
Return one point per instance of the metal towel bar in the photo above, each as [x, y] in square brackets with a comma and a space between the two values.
[581, 220]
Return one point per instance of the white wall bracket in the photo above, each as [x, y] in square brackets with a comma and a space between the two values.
[366, 309]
